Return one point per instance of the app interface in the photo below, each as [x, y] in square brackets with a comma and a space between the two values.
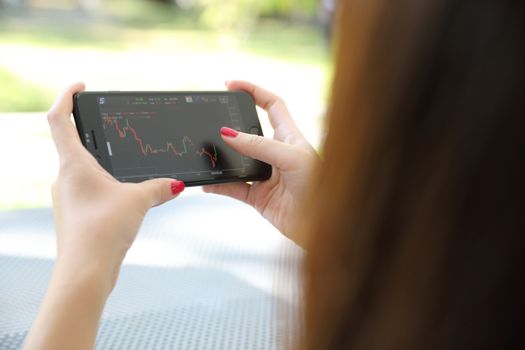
[171, 136]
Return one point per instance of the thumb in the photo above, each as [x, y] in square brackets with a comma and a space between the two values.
[159, 191]
[276, 153]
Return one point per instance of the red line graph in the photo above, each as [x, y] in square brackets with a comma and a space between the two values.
[146, 149]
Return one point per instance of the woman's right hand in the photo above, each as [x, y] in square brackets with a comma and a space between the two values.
[291, 156]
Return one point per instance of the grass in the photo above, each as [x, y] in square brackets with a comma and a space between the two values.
[17, 95]
[142, 26]
[128, 24]
[299, 43]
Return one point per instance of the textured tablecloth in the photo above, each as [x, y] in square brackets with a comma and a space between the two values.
[205, 272]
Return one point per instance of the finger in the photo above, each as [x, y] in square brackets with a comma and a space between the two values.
[159, 191]
[277, 111]
[62, 128]
[238, 190]
[278, 154]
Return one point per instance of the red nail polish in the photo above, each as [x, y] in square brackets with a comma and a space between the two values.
[177, 186]
[229, 132]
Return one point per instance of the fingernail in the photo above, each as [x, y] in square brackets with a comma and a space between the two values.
[177, 187]
[229, 132]
[226, 82]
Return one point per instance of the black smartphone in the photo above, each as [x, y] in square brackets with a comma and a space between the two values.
[142, 135]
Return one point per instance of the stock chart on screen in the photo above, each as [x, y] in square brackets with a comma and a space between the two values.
[170, 135]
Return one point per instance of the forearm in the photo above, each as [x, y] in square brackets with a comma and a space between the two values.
[97, 218]
[71, 310]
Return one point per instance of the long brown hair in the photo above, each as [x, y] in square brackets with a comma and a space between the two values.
[416, 220]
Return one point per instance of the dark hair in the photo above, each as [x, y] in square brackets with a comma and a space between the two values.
[416, 226]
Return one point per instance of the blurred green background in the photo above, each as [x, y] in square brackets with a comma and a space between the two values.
[282, 45]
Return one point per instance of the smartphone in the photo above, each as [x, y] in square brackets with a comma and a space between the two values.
[137, 136]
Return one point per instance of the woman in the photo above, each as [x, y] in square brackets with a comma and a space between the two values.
[414, 223]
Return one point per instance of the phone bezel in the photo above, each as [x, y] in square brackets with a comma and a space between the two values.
[89, 126]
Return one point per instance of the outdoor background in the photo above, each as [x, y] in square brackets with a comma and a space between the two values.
[283, 45]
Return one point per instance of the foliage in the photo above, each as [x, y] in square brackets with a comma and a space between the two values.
[242, 15]
[289, 8]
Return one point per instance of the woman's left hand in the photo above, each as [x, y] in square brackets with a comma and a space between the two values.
[97, 219]
[96, 216]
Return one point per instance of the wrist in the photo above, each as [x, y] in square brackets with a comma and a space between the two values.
[97, 277]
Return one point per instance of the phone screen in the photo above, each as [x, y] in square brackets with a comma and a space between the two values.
[173, 135]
